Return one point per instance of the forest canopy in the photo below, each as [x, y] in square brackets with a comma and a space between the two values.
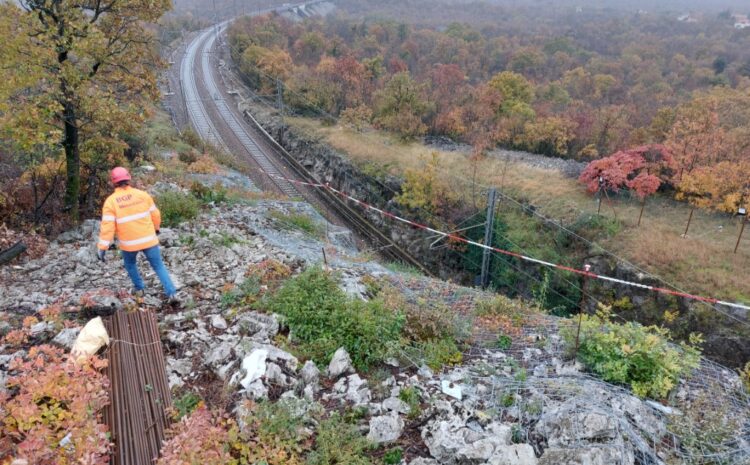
[558, 85]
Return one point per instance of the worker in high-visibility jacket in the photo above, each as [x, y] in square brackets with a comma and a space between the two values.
[132, 216]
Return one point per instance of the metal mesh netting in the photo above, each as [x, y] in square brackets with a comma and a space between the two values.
[706, 420]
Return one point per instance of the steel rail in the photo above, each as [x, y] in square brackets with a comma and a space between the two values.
[254, 139]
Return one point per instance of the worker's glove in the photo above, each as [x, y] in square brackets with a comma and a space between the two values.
[100, 255]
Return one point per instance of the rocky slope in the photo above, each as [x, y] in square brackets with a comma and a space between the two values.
[520, 405]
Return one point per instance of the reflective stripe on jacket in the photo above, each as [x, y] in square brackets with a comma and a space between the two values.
[132, 215]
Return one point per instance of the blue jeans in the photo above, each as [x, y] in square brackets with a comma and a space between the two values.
[153, 255]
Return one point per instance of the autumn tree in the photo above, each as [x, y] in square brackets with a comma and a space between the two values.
[262, 67]
[642, 170]
[401, 106]
[515, 108]
[76, 76]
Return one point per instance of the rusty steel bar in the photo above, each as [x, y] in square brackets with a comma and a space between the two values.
[139, 392]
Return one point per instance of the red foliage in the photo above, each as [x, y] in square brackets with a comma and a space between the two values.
[52, 417]
[199, 438]
[641, 169]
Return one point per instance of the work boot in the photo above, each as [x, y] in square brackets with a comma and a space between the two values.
[139, 294]
[174, 301]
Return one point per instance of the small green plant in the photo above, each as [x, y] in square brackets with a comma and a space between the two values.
[410, 395]
[508, 399]
[521, 375]
[225, 239]
[504, 342]
[517, 434]
[187, 240]
[355, 414]
[339, 442]
[533, 408]
[634, 355]
[177, 207]
[393, 456]
[244, 294]
[185, 404]
[297, 221]
[438, 353]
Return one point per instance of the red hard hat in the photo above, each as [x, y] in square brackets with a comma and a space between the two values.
[119, 174]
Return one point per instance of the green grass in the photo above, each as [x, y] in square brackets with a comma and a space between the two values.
[298, 221]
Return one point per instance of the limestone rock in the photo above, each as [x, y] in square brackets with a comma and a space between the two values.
[395, 404]
[594, 455]
[218, 322]
[341, 364]
[423, 461]
[310, 373]
[573, 422]
[517, 454]
[386, 428]
[67, 337]
[219, 354]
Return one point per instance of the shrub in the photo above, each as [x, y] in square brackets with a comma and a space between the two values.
[339, 443]
[273, 434]
[188, 157]
[198, 438]
[204, 165]
[270, 272]
[633, 355]
[504, 342]
[186, 404]
[244, 294]
[212, 195]
[177, 207]
[426, 322]
[437, 353]
[322, 318]
[56, 401]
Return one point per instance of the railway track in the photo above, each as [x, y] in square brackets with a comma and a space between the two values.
[211, 114]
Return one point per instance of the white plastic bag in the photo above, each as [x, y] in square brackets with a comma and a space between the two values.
[92, 337]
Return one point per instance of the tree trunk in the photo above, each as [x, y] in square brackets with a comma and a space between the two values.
[690, 219]
[643, 205]
[72, 161]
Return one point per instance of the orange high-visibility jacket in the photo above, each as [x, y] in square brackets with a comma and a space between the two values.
[132, 215]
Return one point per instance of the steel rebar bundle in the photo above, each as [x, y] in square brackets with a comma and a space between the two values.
[140, 397]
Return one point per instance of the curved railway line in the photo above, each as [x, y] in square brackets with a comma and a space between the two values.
[217, 123]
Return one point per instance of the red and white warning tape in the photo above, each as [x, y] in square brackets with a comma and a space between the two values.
[457, 238]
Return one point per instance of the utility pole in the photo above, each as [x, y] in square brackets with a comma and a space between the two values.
[488, 229]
